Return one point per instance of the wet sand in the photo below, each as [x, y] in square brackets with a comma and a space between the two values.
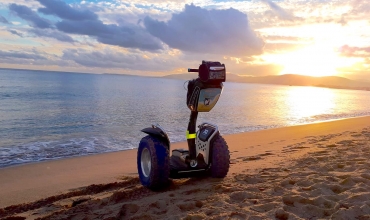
[311, 171]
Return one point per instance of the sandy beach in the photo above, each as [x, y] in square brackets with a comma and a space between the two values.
[315, 171]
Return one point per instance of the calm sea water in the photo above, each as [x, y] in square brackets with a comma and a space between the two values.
[49, 115]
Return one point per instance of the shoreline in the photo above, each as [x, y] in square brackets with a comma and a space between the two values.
[251, 153]
[108, 152]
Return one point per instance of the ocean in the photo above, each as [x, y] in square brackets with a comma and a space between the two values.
[53, 115]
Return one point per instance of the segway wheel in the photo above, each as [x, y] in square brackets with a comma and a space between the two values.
[153, 163]
[220, 158]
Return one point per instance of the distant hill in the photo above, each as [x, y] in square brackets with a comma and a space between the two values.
[188, 76]
[289, 79]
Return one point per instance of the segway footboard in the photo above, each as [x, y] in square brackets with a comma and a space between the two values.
[212, 152]
[179, 168]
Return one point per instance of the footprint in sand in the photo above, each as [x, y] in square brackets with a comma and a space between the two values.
[312, 141]
[263, 208]
[300, 147]
[289, 151]
[265, 154]
[241, 196]
[281, 214]
[189, 206]
[195, 216]
[251, 158]
[248, 179]
[128, 210]
[237, 215]
[159, 207]
[346, 142]
[356, 135]
[256, 157]
[192, 191]
[294, 148]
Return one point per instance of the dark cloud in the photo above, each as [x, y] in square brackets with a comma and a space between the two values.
[33, 57]
[27, 14]
[85, 22]
[86, 27]
[128, 36]
[16, 33]
[349, 51]
[204, 31]
[20, 55]
[112, 59]
[53, 34]
[280, 12]
[3, 20]
[65, 11]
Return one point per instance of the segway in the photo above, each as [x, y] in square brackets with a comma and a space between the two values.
[207, 153]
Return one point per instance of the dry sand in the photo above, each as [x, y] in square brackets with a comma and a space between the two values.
[316, 171]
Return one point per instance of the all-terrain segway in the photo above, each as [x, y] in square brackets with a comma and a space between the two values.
[208, 153]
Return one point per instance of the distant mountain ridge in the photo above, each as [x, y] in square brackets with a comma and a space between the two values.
[288, 79]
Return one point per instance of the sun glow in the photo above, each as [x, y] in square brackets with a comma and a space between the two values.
[310, 61]
[316, 60]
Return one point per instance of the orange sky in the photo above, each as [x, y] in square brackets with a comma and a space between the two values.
[264, 37]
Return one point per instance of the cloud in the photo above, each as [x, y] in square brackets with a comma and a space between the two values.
[113, 59]
[282, 47]
[3, 20]
[32, 57]
[127, 36]
[65, 11]
[20, 55]
[85, 22]
[259, 69]
[349, 51]
[204, 31]
[284, 38]
[52, 34]
[360, 6]
[16, 33]
[85, 27]
[27, 14]
[281, 13]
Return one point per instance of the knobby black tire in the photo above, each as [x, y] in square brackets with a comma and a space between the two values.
[220, 158]
[160, 163]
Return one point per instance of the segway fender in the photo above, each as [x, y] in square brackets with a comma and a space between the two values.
[158, 133]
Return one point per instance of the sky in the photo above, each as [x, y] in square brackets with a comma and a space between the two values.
[156, 38]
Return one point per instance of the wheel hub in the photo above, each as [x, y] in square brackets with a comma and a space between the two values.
[146, 162]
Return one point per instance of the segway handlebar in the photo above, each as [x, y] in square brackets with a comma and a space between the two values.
[193, 70]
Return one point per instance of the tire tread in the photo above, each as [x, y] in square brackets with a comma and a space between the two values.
[220, 158]
[160, 169]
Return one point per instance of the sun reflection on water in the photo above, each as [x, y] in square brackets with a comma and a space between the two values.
[305, 102]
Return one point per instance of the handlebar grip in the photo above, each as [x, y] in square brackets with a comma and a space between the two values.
[193, 70]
